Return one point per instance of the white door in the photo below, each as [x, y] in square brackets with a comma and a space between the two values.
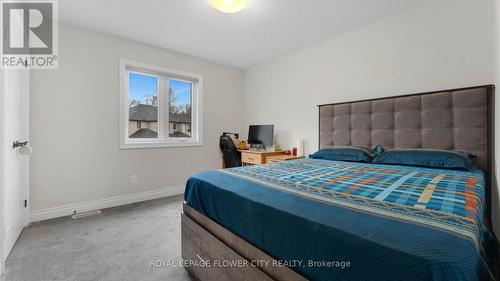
[16, 171]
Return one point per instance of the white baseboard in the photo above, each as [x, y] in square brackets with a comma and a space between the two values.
[66, 210]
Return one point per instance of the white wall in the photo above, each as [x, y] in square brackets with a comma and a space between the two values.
[496, 207]
[445, 44]
[74, 122]
[441, 45]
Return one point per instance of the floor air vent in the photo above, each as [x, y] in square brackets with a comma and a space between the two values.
[85, 214]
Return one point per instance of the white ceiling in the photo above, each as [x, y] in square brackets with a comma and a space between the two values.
[265, 29]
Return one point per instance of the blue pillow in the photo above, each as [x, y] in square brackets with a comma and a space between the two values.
[434, 158]
[347, 153]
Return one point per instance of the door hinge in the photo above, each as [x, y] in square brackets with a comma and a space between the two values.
[25, 203]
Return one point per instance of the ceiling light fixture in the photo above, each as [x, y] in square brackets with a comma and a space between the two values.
[229, 6]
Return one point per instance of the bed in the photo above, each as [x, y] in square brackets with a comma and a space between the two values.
[330, 220]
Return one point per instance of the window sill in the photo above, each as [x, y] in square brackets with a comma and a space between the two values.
[146, 145]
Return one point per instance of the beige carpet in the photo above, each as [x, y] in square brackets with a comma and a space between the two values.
[117, 245]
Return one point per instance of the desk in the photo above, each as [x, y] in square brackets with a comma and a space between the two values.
[257, 157]
[281, 158]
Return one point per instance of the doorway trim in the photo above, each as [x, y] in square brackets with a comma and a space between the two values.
[2, 170]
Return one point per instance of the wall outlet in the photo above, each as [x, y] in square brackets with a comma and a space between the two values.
[134, 179]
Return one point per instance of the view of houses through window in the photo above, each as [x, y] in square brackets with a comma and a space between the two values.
[179, 93]
[144, 101]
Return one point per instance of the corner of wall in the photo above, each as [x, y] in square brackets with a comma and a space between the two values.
[496, 165]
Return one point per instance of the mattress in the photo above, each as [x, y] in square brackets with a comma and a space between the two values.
[331, 220]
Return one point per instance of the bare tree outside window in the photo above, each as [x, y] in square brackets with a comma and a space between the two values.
[159, 107]
[180, 102]
[144, 102]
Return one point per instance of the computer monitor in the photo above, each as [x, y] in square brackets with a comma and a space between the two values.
[260, 136]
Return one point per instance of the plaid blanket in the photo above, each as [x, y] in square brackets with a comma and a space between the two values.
[447, 200]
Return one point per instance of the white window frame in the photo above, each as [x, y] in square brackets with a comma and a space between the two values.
[163, 139]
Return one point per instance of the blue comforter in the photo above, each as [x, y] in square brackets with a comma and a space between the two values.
[332, 220]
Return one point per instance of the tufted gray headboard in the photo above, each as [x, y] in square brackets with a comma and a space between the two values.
[457, 119]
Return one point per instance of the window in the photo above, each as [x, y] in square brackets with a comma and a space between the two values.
[163, 104]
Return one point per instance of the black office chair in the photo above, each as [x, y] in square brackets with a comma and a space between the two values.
[229, 152]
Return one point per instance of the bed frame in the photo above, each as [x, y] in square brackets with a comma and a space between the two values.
[455, 119]
[204, 242]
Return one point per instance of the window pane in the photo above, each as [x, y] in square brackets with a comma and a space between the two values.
[180, 101]
[142, 106]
